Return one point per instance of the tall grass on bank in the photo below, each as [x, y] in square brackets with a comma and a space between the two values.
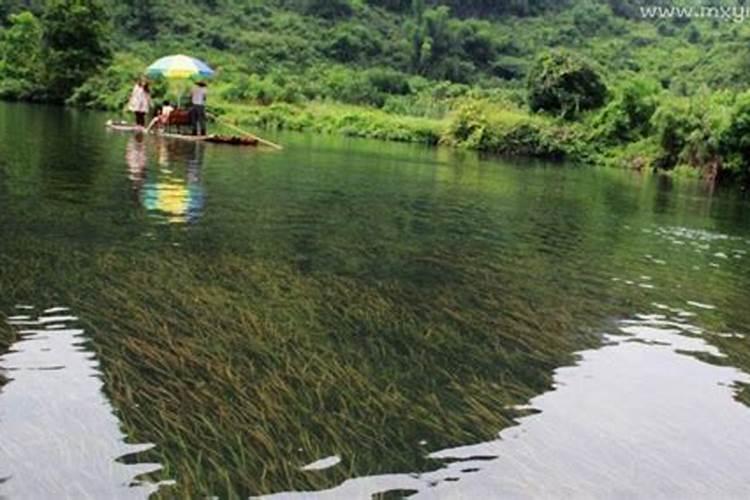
[330, 118]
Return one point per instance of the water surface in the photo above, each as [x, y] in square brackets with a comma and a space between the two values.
[354, 318]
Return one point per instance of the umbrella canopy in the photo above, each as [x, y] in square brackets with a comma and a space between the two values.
[179, 67]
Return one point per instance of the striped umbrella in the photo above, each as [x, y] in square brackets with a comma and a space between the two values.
[179, 67]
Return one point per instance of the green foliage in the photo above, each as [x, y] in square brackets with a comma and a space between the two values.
[628, 116]
[338, 119]
[480, 8]
[142, 18]
[20, 57]
[416, 59]
[75, 43]
[591, 17]
[353, 43]
[110, 88]
[330, 9]
[502, 130]
[691, 131]
[275, 87]
[562, 83]
[736, 139]
[446, 48]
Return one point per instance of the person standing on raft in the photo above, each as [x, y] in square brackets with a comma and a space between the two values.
[198, 108]
[140, 101]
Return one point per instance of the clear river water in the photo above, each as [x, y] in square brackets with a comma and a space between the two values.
[354, 319]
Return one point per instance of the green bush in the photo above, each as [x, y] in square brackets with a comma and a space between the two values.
[20, 47]
[330, 9]
[76, 44]
[736, 139]
[693, 131]
[560, 82]
[628, 116]
[276, 87]
[21, 64]
[389, 81]
[110, 88]
[592, 17]
[349, 43]
[510, 132]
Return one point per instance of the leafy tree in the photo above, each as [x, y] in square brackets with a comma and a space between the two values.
[75, 43]
[563, 83]
[329, 9]
[141, 18]
[447, 48]
[736, 139]
[628, 116]
[10, 7]
[351, 43]
[21, 48]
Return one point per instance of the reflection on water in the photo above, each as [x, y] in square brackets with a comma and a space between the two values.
[635, 419]
[347, 308]
[171, 188]
[58, 432]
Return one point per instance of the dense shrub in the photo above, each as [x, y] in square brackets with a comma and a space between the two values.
[110, 88]
[76, 43]
[628, 116]
[562, 83]
[736, 139]
[21, 62]
[510, 132]
[350, 43]
[388, 81]
[330, 9]
[692, 131]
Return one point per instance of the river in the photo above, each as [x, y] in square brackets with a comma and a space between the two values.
[355, 319]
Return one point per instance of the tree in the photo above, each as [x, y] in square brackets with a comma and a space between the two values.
[76, 43]
[21, 44]
[141, 17]
[563, 83]
[328, 9]
[20, 56]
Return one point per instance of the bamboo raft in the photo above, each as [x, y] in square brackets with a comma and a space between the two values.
[234, 140]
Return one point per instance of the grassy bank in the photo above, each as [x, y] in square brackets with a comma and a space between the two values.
[335, 118]
[473, 125]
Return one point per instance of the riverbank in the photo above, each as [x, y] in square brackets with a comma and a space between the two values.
[472, 124]
[699, 137]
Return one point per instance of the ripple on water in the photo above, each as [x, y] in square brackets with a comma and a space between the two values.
[58, 431]
[641, 417]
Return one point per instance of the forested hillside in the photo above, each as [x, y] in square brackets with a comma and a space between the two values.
[585, 79]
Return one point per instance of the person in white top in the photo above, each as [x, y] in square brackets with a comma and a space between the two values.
[140, 101]
[162, 119]
[198, 108]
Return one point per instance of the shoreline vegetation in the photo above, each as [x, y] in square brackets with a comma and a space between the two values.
[587, 81]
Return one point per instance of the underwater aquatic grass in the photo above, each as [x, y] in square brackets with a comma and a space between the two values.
[241, 370]
[260, 368]
[247, 352]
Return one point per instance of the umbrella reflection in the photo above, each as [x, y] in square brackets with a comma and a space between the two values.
[171, 191]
